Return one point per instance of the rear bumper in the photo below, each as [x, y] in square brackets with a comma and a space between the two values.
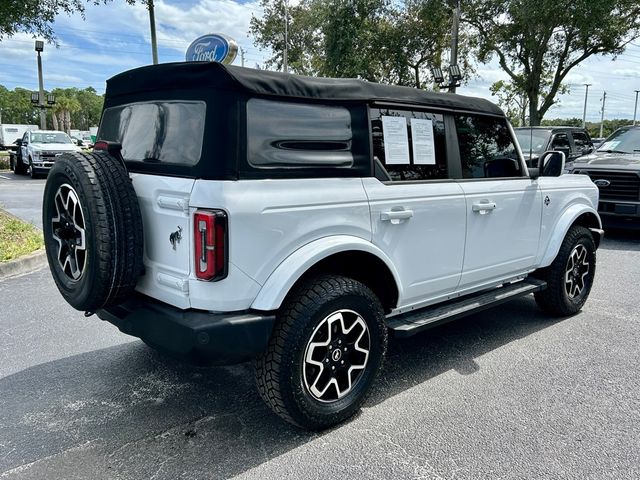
[196, 335]
[620, 214]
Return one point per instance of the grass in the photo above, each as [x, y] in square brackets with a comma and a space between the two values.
[17, 238]
[4, 160]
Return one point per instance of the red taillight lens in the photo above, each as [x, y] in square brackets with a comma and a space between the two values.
[101, 145]
[210, 239]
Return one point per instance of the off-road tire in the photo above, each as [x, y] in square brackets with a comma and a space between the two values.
[555, 299]
[279, 371]
[112, 226]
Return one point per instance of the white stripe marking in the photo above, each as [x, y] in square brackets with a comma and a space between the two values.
[6, 178]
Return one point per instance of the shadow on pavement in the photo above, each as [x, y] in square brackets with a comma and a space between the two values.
[129, 412]
[621, 240]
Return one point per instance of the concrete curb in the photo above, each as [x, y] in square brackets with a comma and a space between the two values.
[25, 264]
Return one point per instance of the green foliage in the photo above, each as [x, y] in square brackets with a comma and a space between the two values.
[37, 16]
[84, 107]
[538, 42]
[17, 238]
[609, 126]
[376, 40]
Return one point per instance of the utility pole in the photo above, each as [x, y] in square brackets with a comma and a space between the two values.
[152, 22]
[242, 56]
[455, 27]
[584, 112]
[635, 109]
[604, 98]
[285, 66]
[41, 99]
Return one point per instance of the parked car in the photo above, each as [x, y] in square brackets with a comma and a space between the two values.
[572, 141]
[229, 214]
[615, 169]
[39, 150]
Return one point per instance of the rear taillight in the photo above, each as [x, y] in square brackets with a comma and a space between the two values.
[210, 238]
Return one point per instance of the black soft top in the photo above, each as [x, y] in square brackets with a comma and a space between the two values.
[206, 75]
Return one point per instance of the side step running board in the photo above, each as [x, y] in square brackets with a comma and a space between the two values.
[410, 323]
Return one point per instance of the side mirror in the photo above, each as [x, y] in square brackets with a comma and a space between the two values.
[19, 142]
[79, 143]
[552, 164]
[588, 150]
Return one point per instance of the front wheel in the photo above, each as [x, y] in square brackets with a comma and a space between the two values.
[570, 277]
[325, 353]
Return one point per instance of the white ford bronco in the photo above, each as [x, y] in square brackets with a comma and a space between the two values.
[229, 214]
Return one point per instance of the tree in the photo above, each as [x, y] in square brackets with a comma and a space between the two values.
[37, 16]
[376, 40]
[535, 40]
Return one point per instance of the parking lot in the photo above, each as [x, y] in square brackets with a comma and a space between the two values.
[507, 393]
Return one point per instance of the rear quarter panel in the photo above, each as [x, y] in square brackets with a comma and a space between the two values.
[271, 219]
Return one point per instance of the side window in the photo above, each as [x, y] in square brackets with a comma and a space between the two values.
[582, 142]
[411, 145]
[287, 134]
[560, 142]
[487, 149]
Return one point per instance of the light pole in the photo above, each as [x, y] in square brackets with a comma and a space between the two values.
[604, 98]
[455, 27]
[635, 109]
[285, 66]
[43, 116]
[152, 24]
[584, 112]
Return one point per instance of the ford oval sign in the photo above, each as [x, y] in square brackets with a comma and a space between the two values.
[602, 182]
[212, 47]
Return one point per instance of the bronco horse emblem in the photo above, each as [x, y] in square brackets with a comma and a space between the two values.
[175, 237]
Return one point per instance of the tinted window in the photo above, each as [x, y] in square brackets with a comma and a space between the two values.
[532, 140]
[486, 147]
[560, 140]
[581, 140]
[156, 132]
[284, 134]
[423, 157]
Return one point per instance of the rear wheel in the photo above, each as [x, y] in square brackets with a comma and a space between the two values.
[325, 353]
[570, 277]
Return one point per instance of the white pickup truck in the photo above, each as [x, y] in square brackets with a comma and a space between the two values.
[229, 214]
[39, 149]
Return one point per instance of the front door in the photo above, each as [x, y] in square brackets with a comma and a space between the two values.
[503, 207]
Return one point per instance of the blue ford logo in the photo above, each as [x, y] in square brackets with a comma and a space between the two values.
[212, 48]
[602, 183]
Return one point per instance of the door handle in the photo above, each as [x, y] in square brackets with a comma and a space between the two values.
[396, 216]
[483, 207]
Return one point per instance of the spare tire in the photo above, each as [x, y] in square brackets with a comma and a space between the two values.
[92, 230]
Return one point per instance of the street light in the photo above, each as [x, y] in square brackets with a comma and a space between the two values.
[51, 99]
[41, 97]
[438, 77]
[35, 97]
[455, 75]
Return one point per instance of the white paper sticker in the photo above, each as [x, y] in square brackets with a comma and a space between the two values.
[396, 140]
[423, 142]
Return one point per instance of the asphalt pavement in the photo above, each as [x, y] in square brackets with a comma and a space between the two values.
[22, 196]
[505, 394]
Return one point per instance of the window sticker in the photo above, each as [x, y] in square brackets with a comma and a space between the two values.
[396, 140]
[423, 142]
[610, 145]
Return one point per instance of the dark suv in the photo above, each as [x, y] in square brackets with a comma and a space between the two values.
[615, 169]
[574, 142]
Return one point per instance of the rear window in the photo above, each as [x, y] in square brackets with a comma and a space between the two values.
[157, 132]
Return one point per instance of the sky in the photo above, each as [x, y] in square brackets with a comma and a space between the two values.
[115, 37]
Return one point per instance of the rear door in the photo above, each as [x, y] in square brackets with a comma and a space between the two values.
[156, 136]
[503, 207]
[417, 211]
